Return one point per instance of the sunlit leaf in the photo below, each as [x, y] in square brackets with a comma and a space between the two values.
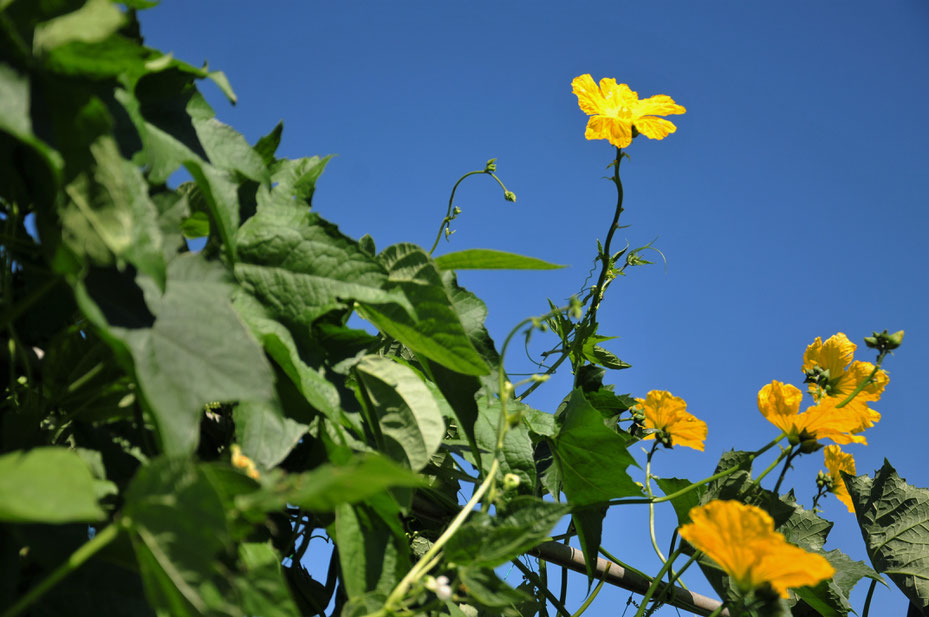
[46, 485]
[488, 259]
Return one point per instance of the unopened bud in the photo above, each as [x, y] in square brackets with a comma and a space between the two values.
[510, 481]
[456, 210]
[540, 378]
[882, 341]
[491, 166]
[509, 196]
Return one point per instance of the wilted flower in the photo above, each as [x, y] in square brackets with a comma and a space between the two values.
[618, 115]
[742, 541]
[837, 462]
[667, 413]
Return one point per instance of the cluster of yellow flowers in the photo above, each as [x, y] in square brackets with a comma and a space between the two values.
[741, 538]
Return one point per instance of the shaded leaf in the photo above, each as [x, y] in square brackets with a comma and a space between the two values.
[261, 586]
[373, 551]
[46, 485]
[266, 435]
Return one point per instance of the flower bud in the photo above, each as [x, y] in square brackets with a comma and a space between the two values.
[510, 481]
[491, 166]
[882, 341]
[509, 196]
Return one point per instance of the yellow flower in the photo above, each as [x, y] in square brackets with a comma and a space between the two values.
[780, 404]
[836, 462]
[836, 355]
[742, 541]
[666, 412]
[617, 113]
[240, 461]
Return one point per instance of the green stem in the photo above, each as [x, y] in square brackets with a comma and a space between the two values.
[426, 561]
[535, 580]
[783, 474]
[673, 578]
[593, 595]
[864, 383]
[606, 256]
[448, 213]
[769, 468]
[77, 558]
[695, 485]
[651, 503]
[867, 600]
[655, 583]
[622, 564]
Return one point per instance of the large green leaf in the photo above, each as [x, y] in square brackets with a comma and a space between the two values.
[302, 271]
[432, 328]
[290, 193]
[93, 22]
[372, 545]
[227, 149]
[261, 585]
[589, 461]
[488, 259]
[894, 521]
[830, 597]
[266, 435]
[46, 485]
[590, 458]
[683, 503]
[220, 194]
[280, 345]
[328, 486]
[178, 529]
[485, 588]
[488, 542]
[516, 457]
[408, 417]
[192, 348]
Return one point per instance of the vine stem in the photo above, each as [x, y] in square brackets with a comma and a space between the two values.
[655, 582]
[593, 595]
[426, 561]
[532, 576]
[448, 213]
[867, 600]
[77, 558]
[696, 485]
[651, 504]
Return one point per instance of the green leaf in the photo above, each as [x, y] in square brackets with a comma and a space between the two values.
[485, 588]
[301, 272]
[517, 453]
[488, 259]
[228, 150]
[328, 486]
[894, 521]
[432, 327]
[262, 587]
[108, 216]
[46, 485]
[290, 194]
[93, 22]
[267, 145]
[488, 542]
[279, 343]
[589, 525]
[197, 225]
[266, 435]
[219, 193]
[590, 462]
[372, 546]
[178, 529]
[411, 424]
[590, 458]
[831, 597]
[683, 504]
[191, 349]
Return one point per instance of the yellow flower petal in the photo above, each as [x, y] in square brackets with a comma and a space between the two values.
[780, 404]
[666, 412]
[615, 108]
[588, 94]
[742, 541]
[779, 399]
[836, 462]
[615, 131]
[659, 105]
[654, 128]
[835, 354]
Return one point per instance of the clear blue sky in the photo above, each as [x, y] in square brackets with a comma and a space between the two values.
[793, 201]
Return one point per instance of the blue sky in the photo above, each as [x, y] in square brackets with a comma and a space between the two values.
[793, 201]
